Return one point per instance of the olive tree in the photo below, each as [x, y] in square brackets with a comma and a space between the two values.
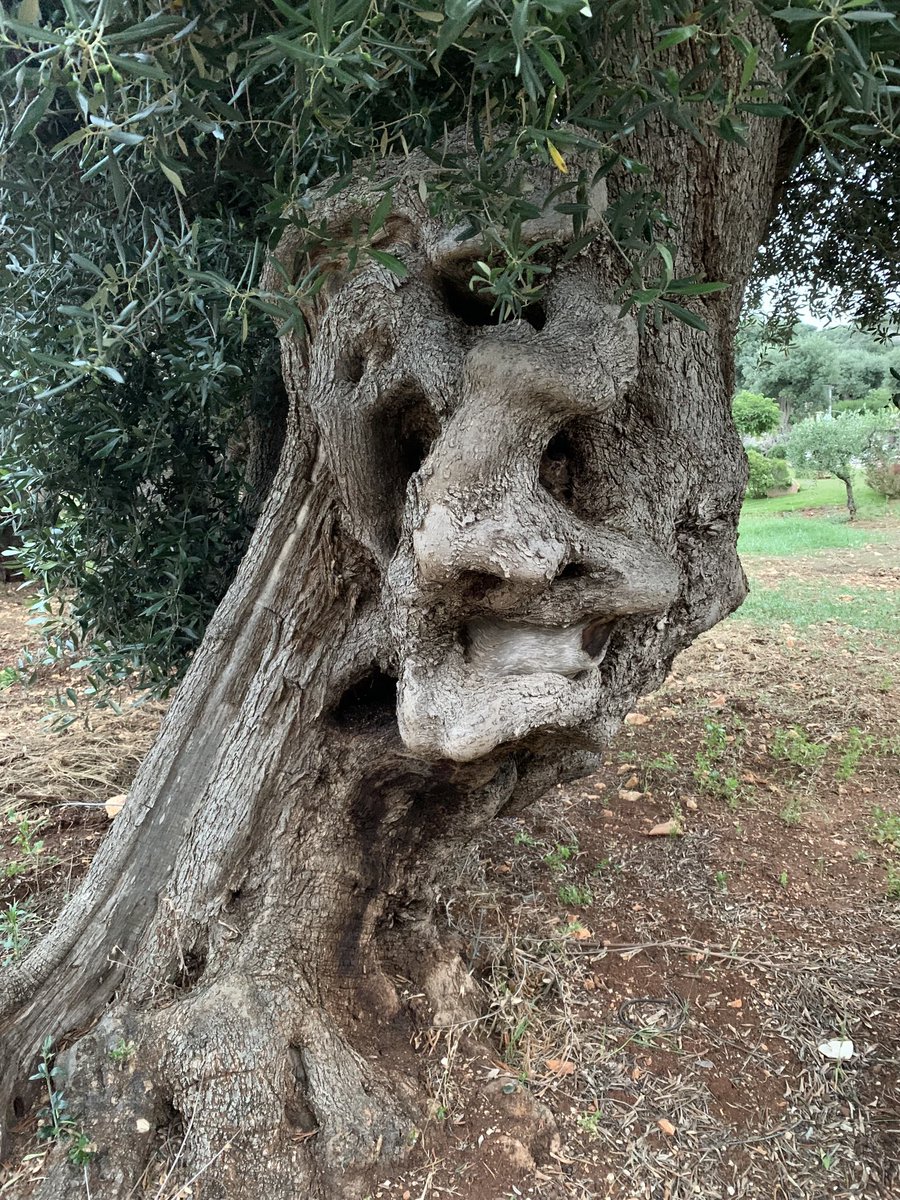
[840, 444]
[817, 370]
[503, 250]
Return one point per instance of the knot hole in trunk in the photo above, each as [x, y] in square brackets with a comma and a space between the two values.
[476, 308]
[369, 705]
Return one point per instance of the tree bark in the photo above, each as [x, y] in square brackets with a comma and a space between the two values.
[9, 540]
[847, 481]
[483, 544]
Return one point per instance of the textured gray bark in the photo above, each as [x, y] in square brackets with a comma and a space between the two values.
[482, 545]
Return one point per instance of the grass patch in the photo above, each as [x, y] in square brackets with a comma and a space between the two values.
[825, 493]
[771, 534]
[775, 526]
[802, 604]
[886, 827]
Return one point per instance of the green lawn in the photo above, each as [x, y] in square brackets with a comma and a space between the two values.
[825, 493]
[778, 528]
[786, 535]
[801, 604]
[775, 527]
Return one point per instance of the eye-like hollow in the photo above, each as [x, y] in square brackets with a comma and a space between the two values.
[351, 365]
[403, 432]
[414, 428]
[477, 306]
[559, 463]
[471, 306]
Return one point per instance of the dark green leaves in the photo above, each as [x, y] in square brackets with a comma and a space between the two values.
[689, 287]
[457, 15]
[797, 14]
[390, 261]
[674, 37]
[380, 214]
[683, 314]
[154, 29]
[869, 15]
[32, 114]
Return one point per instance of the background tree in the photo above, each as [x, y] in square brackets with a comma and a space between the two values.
[506, 314]
[761, 475]
[838, 445]
[800, 375]
[754, 414]
[816, 369]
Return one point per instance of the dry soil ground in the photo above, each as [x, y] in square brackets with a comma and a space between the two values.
[662, 948]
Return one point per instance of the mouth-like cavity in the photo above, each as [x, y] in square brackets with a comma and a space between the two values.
[503, 660]
[496, 648]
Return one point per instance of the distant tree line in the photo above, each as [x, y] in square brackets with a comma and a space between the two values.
[837, 369]
[829, 400]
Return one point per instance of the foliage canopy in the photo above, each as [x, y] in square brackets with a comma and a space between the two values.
[839, 364]
[840, 444]
[755, 414]
[151, 154]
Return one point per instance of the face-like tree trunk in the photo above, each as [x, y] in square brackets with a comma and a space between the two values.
[483, 544]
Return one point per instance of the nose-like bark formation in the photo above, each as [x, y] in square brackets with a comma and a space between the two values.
[491, 537]
[484, 507]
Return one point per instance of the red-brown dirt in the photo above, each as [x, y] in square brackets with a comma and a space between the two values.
[653, 1003]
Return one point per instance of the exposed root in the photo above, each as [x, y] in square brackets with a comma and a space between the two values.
[452, 993]
[266, 1085]
[360, 1119]
[110, 1101]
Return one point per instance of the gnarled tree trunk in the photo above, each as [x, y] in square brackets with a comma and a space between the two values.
[483, 544]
